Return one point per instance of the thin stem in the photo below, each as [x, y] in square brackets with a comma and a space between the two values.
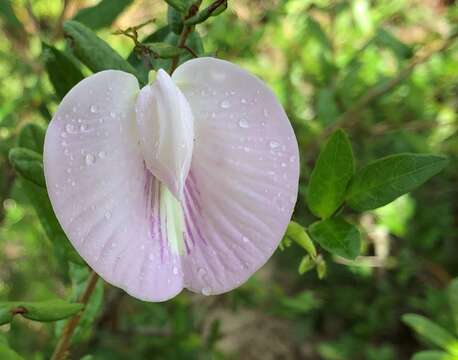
[61, 350]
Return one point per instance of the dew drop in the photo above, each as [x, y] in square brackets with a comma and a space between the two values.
[70, 128]
[175, 270]
[90, 159]
[102, 154]
[83, 128]
[243, 123]
[283, 164]
[244, 101]
[63, 134]
[108, 215]
[151, 256]
[112, 114]
[266, 113]
[93, 109]
[274, 144]
[292, 159]
[225, 104]
[206, 291]
[245, 239]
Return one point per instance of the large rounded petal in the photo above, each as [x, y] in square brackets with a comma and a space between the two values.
[243, 181]
[104, 197]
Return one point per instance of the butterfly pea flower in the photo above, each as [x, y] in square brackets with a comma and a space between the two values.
[189, 182]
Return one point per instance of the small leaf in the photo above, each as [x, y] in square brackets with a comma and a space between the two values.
[321, 268]
[62, 71]
[179, 5]
[298, 234]
[6, 353]
[164, 50]
[29, 164]
[452, 292]
[174, 20]
[204, 14]
[306, 264]
[32, 137]
[432, 355]
[92, 51]
[103, 14]
[386, 179]
[430, 331]
[331, 175]
[387, 39]
[337, 236]
[50, 310]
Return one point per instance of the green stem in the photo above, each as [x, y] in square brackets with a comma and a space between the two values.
[61, 350]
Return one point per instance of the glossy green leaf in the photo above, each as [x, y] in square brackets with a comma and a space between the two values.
[32, 137]
[430, 331]
[204, 14]
[164, 50]
[298, 234]
[174, 20]
[385, 179]
[330, 177]
[337, 236]
[92, 51]
[432, 355]
[103, 14]
[452, 292]
[29, 164]
[62, 71]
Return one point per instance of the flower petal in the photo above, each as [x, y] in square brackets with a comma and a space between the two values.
[243, 182]
[106, 200]
[165, 126]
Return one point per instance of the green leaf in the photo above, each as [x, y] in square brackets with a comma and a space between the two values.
[44, 311]
[298, 234]
[62, 71]
[452, 293]
[321, 267]
[103, 14]
[180, 5]
[29, 164]
[386, 179]
[432, 355]
[327, 109]
[92, 51]
[430, 331]
[174, 20]
[6, 353]
[32, 137]
[204, 14]
[5, 314]
[306, 264]
[164, 50]
[331, 175]
[337, 236]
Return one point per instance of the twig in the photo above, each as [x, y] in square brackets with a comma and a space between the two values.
[60, 20]
[61, 350]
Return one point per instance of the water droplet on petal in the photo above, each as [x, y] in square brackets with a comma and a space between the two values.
[175, 270]
[112, 114]
[274, 144]
[292, 159]
[93, 109]
[225, 104]
[90, 159]
[243, 123]
[243, 101]
[206, 291]
[108, 215]
[102, 154]
[245, 239]
[70, 128]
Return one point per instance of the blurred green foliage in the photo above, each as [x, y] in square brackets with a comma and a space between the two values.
[379, 69]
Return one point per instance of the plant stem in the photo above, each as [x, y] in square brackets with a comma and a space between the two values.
[61, 350]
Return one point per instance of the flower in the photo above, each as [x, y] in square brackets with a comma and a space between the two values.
[189, 182]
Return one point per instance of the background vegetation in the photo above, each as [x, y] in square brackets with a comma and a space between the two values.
[385, 71]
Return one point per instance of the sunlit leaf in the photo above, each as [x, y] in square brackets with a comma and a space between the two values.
[387, 178]
[330, 177]
[298, 234]
[103, 14]
[337, 236]
[432, 355]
